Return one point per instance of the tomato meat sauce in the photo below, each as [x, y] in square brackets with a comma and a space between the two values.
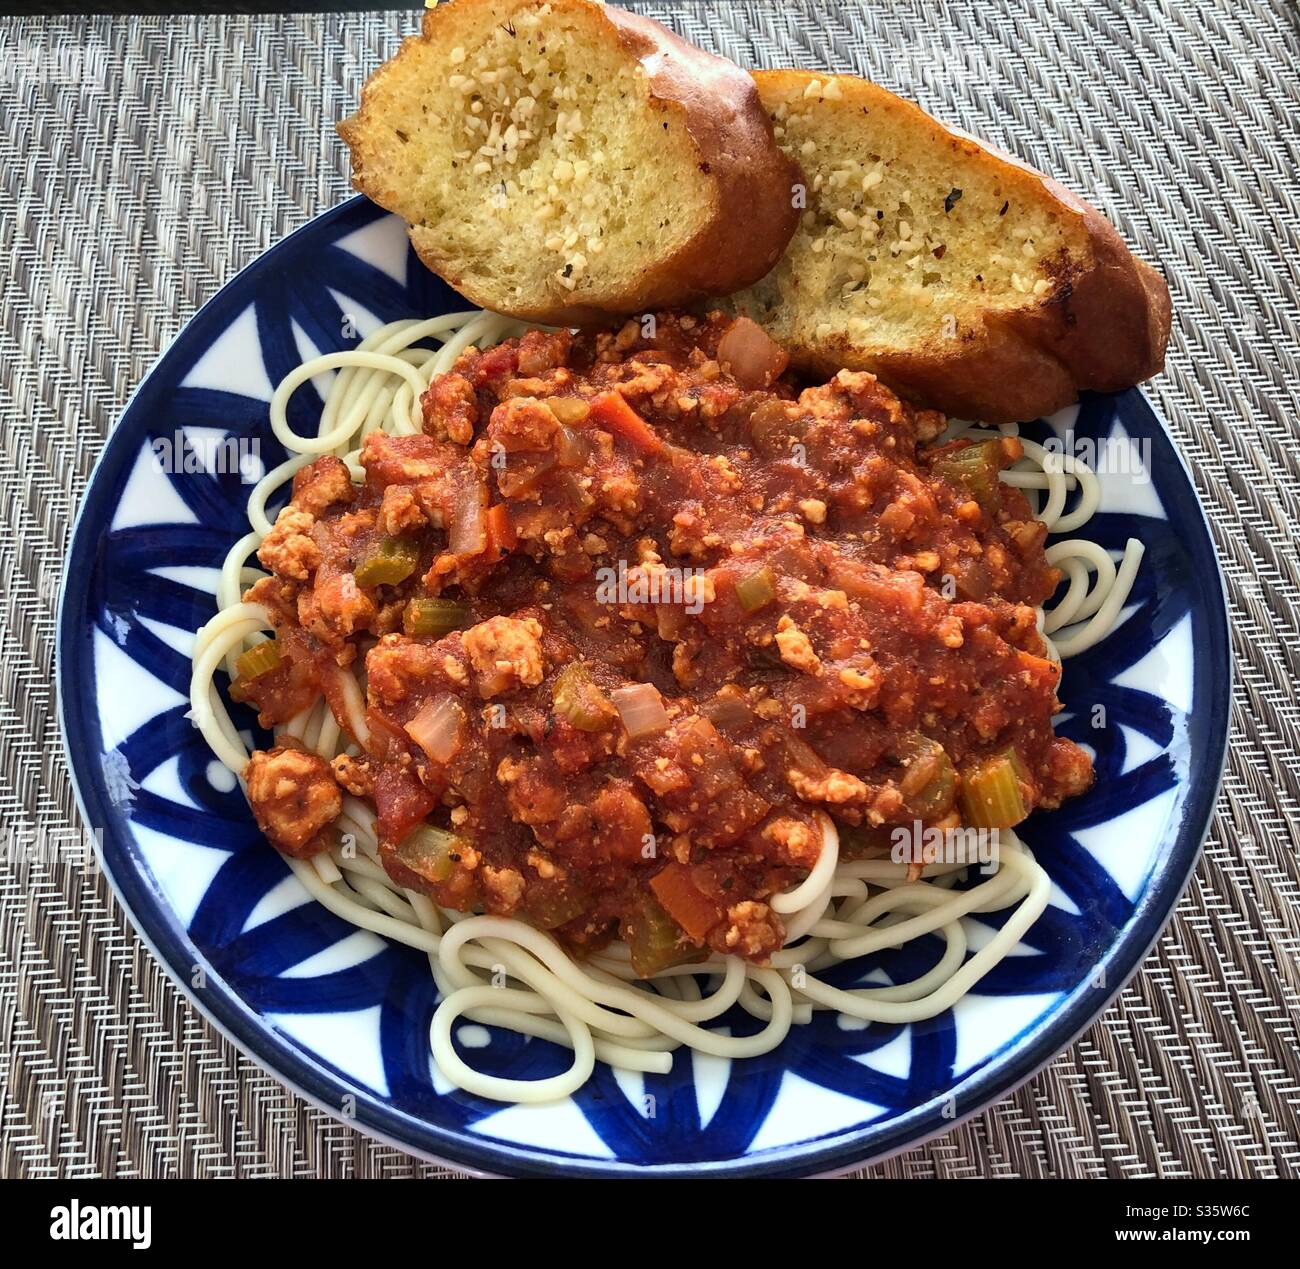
[632, 614]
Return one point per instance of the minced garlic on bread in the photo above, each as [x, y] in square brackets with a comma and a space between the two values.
[562, 161]
[957, 274]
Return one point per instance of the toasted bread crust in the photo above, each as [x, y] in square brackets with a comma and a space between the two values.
[755, 214]
[1104, 326]
[751, 217]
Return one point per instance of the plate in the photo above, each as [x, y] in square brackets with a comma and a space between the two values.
[342, 1017]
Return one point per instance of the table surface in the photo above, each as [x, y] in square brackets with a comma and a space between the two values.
[144, 161]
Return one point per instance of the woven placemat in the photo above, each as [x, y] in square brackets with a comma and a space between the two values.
[144, 161]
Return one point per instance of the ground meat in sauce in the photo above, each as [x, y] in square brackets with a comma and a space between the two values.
[852, 609]
[294, 797]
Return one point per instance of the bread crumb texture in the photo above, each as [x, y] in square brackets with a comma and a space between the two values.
[902, 243]
[531, 147]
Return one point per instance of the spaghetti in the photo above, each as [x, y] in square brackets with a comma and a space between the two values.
[505, 972]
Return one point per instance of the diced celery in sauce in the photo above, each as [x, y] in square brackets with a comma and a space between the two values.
[552, 908]
[990, 793]
[434, 616]
[930, 780]
[429, 852]
[654, 939]
[390, 561]
[974, 469]
[756, 589]
[580, 701]
[260, 659]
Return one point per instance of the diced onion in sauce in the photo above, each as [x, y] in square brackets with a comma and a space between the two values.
[727, 710]
[436, 728]
[755, 358]
[571, 447]
[772, 429]
[466, 535]
[524, 475]
[641, 708]
[802, 755]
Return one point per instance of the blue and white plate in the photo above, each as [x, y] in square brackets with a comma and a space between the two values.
[343, 1017]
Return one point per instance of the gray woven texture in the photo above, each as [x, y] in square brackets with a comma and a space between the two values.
[144, 161]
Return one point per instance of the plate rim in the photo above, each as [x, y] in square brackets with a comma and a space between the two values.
[160, 930]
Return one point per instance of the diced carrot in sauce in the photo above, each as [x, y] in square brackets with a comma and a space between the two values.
[501, 535]
[610, 411]
[693, 910]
